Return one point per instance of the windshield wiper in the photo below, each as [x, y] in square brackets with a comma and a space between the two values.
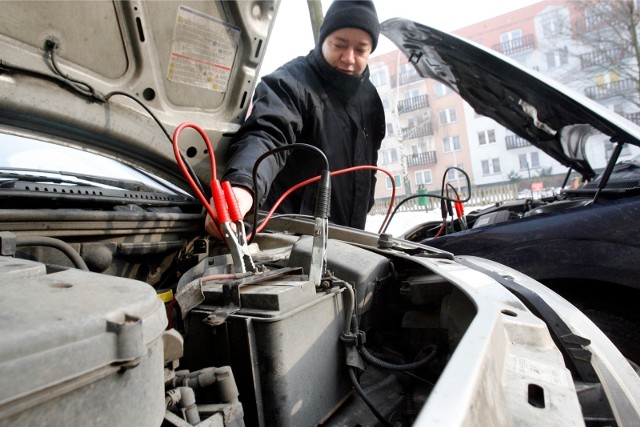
[65, 177]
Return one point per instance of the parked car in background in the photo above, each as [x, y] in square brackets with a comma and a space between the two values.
[119, 309]
[583, 242]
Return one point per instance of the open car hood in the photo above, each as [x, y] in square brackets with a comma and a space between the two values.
[547, 114]
[70, 70]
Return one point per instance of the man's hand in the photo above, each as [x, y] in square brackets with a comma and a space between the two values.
[245, 202]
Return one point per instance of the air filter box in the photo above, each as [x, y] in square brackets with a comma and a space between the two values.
[78, 348]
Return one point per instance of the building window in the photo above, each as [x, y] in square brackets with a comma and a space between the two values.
[419, 148]
[535, 159]
[491, 166]
[564, 56]
[451, 143]
[397, 182]
[423, 177]
[557, 58]
[524, 162]
[409, 94]
[512, 37]
[529, 161]
[487, 137]
[407, 68]
[390, 129]
[605, 78]
[454, 174]
[552, 24]
[389, 156]
[448, 116]
[378, 77]
[495, 163]
[407, 74]
[441, 89]
[418, 119]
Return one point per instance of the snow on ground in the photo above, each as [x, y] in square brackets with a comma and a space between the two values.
[402, 221]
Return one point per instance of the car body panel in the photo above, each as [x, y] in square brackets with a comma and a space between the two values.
[542, 111]
[134, 48]
[484, 344]
[581, 242]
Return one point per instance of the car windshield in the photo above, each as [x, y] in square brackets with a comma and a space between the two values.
[26, 158]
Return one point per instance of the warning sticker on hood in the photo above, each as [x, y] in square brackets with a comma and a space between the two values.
[202, 50]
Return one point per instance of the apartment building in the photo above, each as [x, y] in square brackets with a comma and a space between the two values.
[426, 130]
[430, 128]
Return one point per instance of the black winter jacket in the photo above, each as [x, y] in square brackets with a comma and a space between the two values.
[307, 101]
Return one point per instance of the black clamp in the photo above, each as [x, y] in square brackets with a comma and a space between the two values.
[357, 339]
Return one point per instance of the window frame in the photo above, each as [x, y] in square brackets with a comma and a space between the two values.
[398, 184]
[422, 173]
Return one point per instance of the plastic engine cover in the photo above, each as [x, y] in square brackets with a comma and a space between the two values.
[79, 345]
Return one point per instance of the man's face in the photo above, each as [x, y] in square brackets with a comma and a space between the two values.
[347, 50]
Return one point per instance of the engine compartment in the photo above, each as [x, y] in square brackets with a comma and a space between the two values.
[286, 339]
[383, 330]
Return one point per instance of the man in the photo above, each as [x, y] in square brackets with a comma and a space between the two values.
[323, 99]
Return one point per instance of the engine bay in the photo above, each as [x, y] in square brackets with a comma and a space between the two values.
[271, 347]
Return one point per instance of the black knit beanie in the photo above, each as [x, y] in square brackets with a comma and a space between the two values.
[351, 14]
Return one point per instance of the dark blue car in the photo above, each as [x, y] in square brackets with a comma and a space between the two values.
[583, 241]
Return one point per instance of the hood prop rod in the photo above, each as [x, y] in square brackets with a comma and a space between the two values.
[607, 172]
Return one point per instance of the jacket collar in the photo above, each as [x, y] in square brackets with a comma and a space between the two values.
[343, 85]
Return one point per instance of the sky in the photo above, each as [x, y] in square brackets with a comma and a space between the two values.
[292, 34]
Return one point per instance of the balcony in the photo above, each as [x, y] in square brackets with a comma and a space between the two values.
[417, 131]
[515, 141]
[633, 117]
[605, 57]
[420, 159]
[521, 44]
[608, 90]
[591, 23]
[409, 77]
[413, 104]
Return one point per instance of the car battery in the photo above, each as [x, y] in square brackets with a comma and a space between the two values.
[78, 348]
[284, 347]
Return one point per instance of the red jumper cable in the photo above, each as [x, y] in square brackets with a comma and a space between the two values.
[225, 202]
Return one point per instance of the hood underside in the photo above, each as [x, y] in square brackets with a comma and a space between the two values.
[532, 106]
[91, 74]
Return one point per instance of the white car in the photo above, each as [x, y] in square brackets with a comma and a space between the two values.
[117, 309]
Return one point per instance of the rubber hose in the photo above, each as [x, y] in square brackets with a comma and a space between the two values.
[396, 367]
[365, 398]
[64, 247]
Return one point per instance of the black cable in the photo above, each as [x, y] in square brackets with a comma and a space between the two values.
[366, 400]
[153, 116]
[356, 336]
[10, 68]
[83, 88]
[256, 199]
[441, 197]
[164, 130]
[444, 176]
[323, 201]
[383, 364]
[87, 90]
[415, 196]
[62, 246]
